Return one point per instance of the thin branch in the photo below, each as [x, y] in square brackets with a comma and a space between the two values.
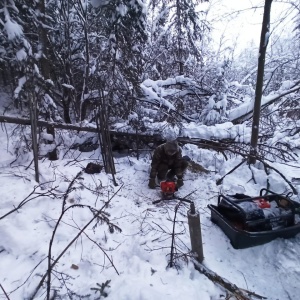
[4, 292]
[72, 241]
[219, 181]
[272, 168]
[173, 236]
[239, 293]
[55, 228]
[104, 252]
[29, 198]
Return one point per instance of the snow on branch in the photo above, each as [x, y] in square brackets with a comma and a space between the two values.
[155, 92]
[247, 107]
[12, 28]
[19, 88]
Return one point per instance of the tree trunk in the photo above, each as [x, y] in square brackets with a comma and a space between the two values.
[264, 38]
[45, 67]
[179, 37]
[33, 121]
[104, 137]
[86, 73]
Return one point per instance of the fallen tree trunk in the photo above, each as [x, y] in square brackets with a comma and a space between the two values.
[224, 146]
[21, 121]
[216, 145]
[14, 120]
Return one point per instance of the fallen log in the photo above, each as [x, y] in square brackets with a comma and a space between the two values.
[221, 146]
[156, 138]
[22, 121]
[128, 138]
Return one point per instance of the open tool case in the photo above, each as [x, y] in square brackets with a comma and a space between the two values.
[250, 221]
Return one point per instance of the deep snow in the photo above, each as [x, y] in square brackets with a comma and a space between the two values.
[140, 252]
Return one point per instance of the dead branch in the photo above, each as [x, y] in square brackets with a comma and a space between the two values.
[219, 181]
[4, 292]
[33, 195]
[21, 121]
[286, 180]
[224, 146]
[239, 293]
[72, 241]
[171, 262]
[63, 210]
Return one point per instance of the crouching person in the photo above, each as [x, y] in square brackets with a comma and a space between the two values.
[167, 162]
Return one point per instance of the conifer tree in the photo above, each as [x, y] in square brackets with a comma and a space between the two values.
[179, 27]
[120, 67]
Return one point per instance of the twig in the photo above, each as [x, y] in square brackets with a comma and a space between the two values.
[110, 260]
[72, 241]
[69, 189]
[219, 181]
[29, 198]
[4, 291]
[253, 177]
[28, 276]
[55, 228]
[272, 168]
[239, 293]
[173, 235]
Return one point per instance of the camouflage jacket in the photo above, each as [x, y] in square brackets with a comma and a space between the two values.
[172, 161]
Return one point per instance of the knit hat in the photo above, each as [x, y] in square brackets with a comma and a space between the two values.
[171, 147]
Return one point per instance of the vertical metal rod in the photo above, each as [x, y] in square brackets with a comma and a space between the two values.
[195, 232]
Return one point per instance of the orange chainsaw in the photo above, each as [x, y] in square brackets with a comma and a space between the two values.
[168, 189]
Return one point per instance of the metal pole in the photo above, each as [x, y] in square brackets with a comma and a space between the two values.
[195, 232]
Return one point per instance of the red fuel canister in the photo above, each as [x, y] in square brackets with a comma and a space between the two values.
[262, 203]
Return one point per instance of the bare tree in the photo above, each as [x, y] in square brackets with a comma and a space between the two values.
[264, 38]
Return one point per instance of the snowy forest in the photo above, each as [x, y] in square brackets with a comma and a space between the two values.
[106, 81]
[145, 62]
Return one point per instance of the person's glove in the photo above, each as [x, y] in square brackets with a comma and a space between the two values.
[152, 183]
[179, 183]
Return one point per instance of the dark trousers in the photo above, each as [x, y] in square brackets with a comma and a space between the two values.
[165, 171]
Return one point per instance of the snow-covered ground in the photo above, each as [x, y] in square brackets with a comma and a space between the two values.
[134, 260]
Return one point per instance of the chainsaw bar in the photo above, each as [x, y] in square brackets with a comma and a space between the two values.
[174, 198]
[168, 189]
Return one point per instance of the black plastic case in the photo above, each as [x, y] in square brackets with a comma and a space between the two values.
[235, 223]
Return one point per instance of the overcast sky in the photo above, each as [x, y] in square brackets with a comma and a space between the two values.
[245, 26]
